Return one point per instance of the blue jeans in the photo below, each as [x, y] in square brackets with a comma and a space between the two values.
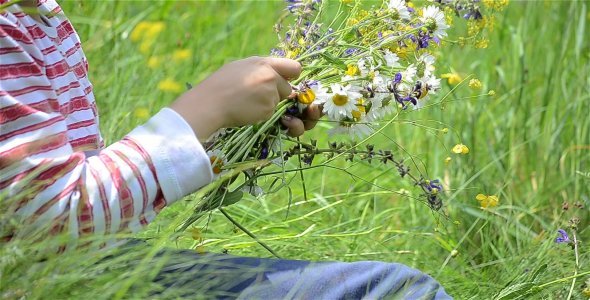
[221, 276]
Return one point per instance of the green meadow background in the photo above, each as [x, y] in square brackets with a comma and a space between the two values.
[529, 145]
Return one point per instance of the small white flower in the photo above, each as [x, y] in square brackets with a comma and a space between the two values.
[367, 66]
[433, 83]
[409, 73]
[427, 61]
[311, 92]
[354, 131]
[433, 15]
[341, 101]
[218, 161]
[400, 7]
[253, 190]
[382, 106]
[219, 133]
[391, 59]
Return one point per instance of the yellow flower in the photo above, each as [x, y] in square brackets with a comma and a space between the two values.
[452, 78]
[475, 84]
[444, 130]
[487, 201]
[306, 96]
[492, 93]
[169, 85]
[460, 149]
[352, 70]
[292, 53]
[181, 55]
[352, 22]
[448, 160]
[146, 30]
[154, 30]
[141, 113]
[154, 62]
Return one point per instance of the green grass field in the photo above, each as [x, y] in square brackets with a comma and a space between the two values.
[529, 144]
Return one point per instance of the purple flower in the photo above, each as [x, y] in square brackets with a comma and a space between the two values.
[397, 78]
[350, 51]
[277, 52]
[264, 151]
[563, 238]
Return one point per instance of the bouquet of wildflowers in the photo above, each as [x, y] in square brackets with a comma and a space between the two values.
[362, 65]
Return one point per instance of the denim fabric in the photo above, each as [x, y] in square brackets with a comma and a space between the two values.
[220, 276]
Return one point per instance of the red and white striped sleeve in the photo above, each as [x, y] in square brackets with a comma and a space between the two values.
[53, 186]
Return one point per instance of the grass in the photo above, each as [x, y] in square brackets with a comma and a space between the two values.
[530, 145]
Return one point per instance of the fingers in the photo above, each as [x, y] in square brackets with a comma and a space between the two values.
[284, 88]
[311, 115]
[295, 125]
[287, 68]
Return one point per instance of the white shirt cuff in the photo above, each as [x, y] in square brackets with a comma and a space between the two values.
[182, 165]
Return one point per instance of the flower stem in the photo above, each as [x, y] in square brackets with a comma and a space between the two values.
[569, 295]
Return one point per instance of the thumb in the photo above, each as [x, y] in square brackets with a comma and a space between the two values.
[287, 68]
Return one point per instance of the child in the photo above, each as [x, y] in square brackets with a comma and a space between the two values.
[52, 156]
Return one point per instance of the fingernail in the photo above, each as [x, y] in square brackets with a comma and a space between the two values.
[287, 118]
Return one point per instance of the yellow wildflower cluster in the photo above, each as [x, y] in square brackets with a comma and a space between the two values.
[460, 149]
[475, 84]
[481, 43]
[449, 15]
[497, 5]
[146, 33]
[487, 201]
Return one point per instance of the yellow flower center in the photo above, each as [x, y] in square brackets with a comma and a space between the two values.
[216, 164]
[340, 100]
[306, 96]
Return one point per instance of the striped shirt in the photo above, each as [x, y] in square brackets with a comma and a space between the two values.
[54, 169]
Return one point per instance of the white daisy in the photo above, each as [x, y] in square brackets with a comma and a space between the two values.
[400, 7]
[218, 161]
[434, 19]
[341, 101]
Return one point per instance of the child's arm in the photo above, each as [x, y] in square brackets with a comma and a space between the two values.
[122, 188]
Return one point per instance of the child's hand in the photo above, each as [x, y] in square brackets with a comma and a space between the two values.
[240, 93]
[308, 120]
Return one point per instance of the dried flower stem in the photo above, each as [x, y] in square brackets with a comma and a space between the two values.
[569, 295]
